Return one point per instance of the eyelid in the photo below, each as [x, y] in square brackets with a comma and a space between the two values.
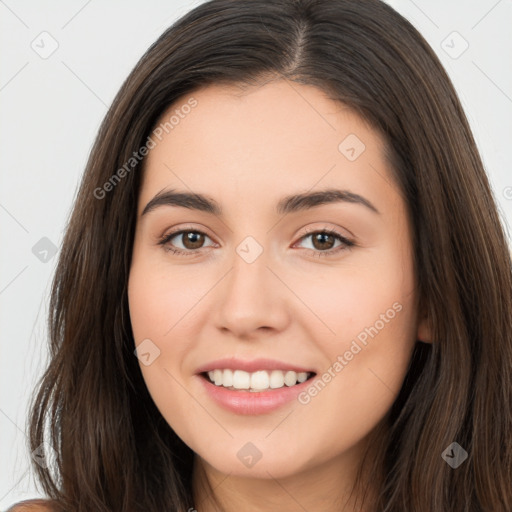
[326, 227]
[172, 232]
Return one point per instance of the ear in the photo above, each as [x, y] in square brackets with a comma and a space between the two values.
[424, 331]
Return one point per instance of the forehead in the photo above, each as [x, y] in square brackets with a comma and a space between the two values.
[260, 139]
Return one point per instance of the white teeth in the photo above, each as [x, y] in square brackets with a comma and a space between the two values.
[276, 379]
[259, 380]
[302, 377]
[227, 378]
[256, 381]
[290, 378]
[241, 379]
[217, 377]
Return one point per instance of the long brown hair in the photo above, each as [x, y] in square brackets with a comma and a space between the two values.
[114, 451]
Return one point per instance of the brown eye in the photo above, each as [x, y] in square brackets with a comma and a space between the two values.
[191, 241]
[323, 242]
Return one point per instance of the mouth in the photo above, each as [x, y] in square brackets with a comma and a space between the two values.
[255, 386]
[255, 382]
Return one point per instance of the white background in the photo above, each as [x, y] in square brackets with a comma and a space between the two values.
[51, 110]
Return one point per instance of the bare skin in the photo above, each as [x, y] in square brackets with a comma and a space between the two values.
[294, 302]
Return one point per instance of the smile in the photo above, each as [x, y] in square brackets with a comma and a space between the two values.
[257, 381]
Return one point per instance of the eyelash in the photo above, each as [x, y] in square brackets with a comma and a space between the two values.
[346, 243]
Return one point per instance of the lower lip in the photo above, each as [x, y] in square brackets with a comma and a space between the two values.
[252, 402]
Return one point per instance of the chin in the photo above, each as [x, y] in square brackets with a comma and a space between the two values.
[247, 462]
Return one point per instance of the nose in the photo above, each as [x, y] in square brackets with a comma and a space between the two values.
[252, 299]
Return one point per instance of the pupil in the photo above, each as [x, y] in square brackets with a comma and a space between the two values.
[190, 236]
[320, 238]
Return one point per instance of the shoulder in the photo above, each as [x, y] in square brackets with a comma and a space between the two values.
[32, 506]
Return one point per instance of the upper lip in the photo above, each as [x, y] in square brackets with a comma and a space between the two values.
[252, 365]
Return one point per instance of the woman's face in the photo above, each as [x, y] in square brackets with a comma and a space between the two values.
[258, 295]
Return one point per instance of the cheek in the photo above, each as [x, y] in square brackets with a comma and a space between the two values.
[371, 310]
[158, 309]
[347, 301]
[160, 298]
[364, 373]
[164, 303]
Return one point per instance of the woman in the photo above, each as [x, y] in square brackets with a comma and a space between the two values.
[367, 370]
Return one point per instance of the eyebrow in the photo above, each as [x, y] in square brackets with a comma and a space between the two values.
[288, 204]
